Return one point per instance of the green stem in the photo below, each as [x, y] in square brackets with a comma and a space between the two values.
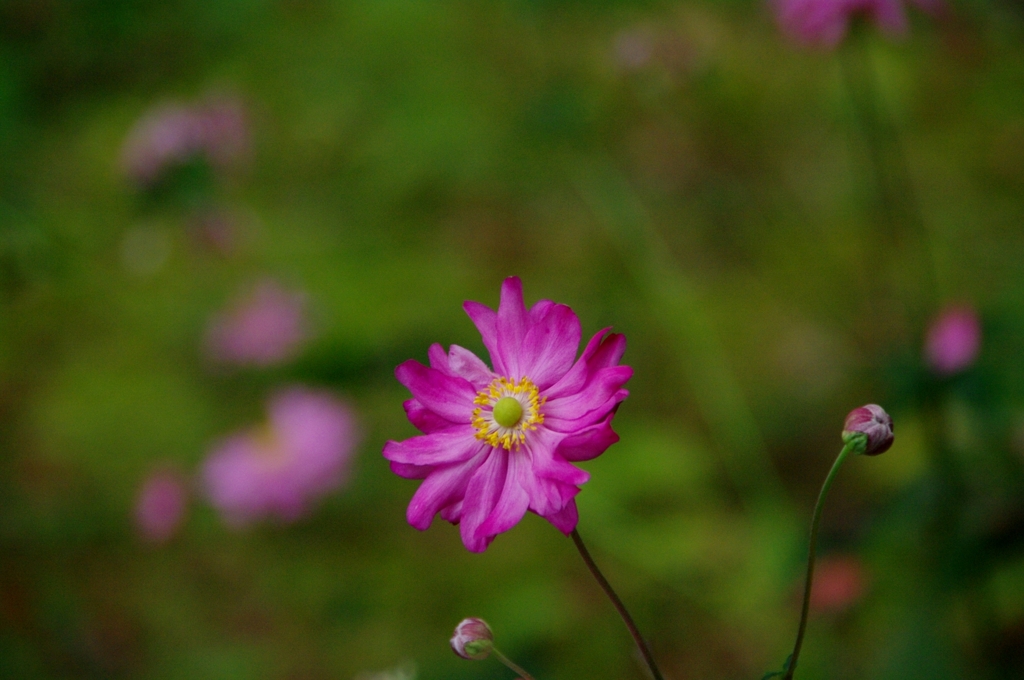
[816, 519]
[508, 662]
[621, 608]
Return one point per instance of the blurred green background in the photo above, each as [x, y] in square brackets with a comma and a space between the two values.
[772, 228]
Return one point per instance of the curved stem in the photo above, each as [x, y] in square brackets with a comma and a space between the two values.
[508, 662]
[621, 608]
[791, 666]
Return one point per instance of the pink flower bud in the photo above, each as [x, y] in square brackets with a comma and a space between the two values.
[871, 427]
[473, 639]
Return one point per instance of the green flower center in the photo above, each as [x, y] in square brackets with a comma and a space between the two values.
[508, 411]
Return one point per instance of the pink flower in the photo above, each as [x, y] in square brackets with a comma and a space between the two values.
[161, 505]
[173, 134]
[498, 443]
[265, 327]
[280, 469]
[953, 340]
[824, 22]
[225, 130]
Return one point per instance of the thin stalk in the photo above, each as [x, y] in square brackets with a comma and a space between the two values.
[621, 608]
[513, 666]
[815, 521]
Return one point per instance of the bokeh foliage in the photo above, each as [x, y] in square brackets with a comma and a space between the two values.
[714, 199]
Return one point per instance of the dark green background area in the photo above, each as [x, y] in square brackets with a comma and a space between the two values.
[771, 227]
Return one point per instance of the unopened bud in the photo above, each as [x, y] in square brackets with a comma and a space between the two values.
[869, 429]
[473, 639]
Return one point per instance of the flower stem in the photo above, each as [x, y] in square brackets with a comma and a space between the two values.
[508, 662]
[621, 608]
[816, 519]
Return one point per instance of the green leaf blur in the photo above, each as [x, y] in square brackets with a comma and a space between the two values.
[676, 170]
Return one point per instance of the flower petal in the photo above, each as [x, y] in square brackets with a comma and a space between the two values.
[602, 392]
[469, 366]
[454, 445]
[425, 420]
[485, 319]
[600, 352]
[566, 519]
[514, 499]
[438, 359]
[609, 352]
[411, 471]
[440, 488]
[481, 497]
[588, 443]
[548, 498]
[511, 326]
[550, 345]
[450, 397]
[452, 513]
[545, 463]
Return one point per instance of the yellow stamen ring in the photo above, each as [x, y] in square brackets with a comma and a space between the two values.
[499, 421]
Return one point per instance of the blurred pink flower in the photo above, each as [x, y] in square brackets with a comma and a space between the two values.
[172, 134]
[498, 443]
[824, 23]
[839, 582]
[161, 505]
[953, 340]
[281, 468]
[266, 326]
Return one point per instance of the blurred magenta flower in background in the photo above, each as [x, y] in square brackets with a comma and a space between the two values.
[281, 468]
[839, 582]
[161, 505]
[498, 443]
[265, 326]
[173, 134]
[824, 23]
[953, 340]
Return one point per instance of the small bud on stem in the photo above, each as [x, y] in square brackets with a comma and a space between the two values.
[474, 640]
[869, 430]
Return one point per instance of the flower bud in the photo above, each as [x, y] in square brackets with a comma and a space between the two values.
[473, 639]
[869, 428]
